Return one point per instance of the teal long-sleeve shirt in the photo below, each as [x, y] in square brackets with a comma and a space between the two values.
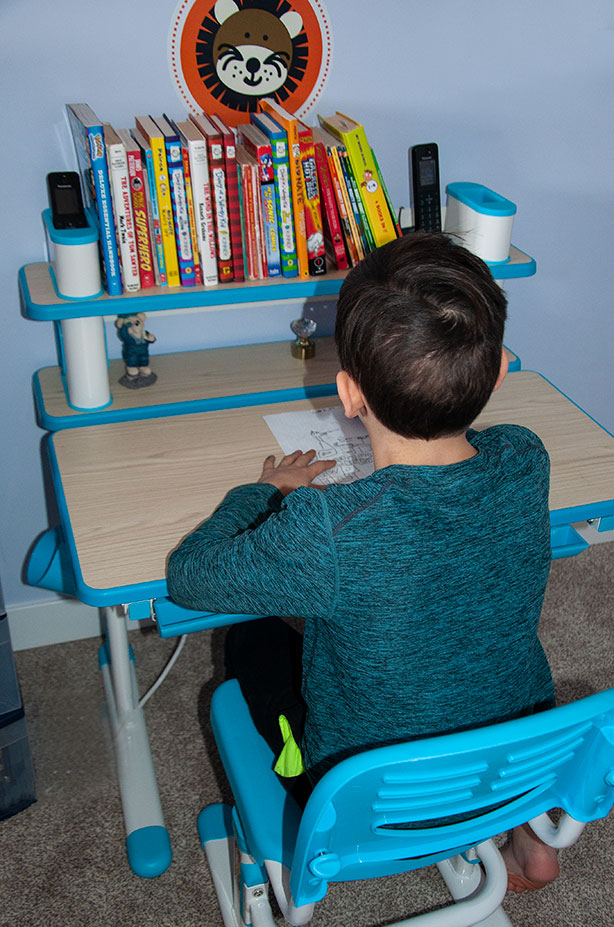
[421, 590]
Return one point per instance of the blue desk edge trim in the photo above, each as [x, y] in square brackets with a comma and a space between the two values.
[106, 415]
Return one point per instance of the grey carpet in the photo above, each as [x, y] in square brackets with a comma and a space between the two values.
[62, 861]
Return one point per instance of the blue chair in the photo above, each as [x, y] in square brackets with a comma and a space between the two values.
[352, 827]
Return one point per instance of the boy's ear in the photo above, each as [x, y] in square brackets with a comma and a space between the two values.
[502, 369]
[350, 395]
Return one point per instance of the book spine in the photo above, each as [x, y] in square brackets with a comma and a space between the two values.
[365, 171]
[360, 216]
[247, 250]
[250, 220]
[181, 221]
[391, 208]
[152, 194]
[234, 210]
[91, 155]
[313, 216]
[138, 186]
[298, 198]
[339, 180]
[185, 157]
[330, 215]
[220, 210]
[124, 220]
[203, 209]
[271, 229]
[259, 221]
[165, 205]
[283, 195]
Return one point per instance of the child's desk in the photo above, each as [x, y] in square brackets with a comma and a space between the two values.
[128, 492]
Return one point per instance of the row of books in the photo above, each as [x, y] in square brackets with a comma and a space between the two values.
[183, 203]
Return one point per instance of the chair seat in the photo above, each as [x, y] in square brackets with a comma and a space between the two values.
[387, 810]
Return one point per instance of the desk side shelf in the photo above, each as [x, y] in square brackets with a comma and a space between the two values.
[83, 389]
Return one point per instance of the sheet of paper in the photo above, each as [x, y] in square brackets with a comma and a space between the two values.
[332, 435]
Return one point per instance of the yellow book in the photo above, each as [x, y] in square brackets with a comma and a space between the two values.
[290, 125]
[154, 136]
[351, 134]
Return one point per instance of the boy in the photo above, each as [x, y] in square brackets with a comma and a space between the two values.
[420, 586]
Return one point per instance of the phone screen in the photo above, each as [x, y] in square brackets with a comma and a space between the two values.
[67, 201]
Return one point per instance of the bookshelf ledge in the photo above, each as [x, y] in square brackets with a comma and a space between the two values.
[41, 302]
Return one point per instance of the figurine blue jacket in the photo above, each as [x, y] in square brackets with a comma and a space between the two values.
[135, 351]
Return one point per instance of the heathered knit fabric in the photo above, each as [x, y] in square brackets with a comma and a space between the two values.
[421, 589]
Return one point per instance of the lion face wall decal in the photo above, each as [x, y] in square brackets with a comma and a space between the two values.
[250, 51]
[225, 56]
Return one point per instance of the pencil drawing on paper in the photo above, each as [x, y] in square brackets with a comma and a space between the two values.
[331, 435]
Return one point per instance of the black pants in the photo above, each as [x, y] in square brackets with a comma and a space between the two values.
[265, 656]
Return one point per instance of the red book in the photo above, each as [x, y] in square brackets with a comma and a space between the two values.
[313, 213]
[257, 144]
[252, 212]
[138, 183]
[219, 198]
[244, 174]
[330, 216]
[232, 192]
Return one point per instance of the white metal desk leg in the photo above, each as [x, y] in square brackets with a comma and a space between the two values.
[147, 840]
[85, 362]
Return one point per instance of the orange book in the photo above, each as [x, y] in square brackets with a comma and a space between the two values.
[290, 125]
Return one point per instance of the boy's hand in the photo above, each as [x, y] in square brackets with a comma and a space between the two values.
[293, 470]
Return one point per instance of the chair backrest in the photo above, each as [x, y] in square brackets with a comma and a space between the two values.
[399, 807]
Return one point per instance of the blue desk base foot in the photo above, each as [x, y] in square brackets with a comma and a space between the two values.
[149, 851]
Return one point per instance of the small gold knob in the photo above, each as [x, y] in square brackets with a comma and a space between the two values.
[303, 348]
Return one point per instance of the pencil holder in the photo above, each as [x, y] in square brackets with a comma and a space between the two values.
[480, 220]
[75, 258]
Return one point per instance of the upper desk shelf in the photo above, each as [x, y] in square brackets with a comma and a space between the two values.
[42, 303]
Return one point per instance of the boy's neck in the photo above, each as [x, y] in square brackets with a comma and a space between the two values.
[390, 448]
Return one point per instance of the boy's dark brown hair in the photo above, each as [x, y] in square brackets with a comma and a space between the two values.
[420, 329]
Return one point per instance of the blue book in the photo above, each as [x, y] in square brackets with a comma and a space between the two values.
[283, 192]
[88, 137]
[271, 229]
[181, 219]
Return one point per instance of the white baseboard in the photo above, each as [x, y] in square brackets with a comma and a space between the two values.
[53, 621]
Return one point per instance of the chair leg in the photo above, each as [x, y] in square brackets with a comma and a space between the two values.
[220, 846]
[241, 892]
[480, 894]
[477, 899]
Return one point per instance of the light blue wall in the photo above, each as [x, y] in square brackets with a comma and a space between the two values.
[518, 96]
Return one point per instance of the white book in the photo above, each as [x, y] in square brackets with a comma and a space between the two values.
[201, 194]
[122, 209]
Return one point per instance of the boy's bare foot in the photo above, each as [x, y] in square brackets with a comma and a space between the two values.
[530, 862]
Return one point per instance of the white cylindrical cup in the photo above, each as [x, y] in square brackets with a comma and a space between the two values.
[480, 220]
[77, 270]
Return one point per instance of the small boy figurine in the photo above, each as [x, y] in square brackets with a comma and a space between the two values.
[135, 350]
[420, 586]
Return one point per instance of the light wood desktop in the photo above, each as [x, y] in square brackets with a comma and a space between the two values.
[134, 489]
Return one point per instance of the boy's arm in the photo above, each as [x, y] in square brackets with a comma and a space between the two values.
[258, 554]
